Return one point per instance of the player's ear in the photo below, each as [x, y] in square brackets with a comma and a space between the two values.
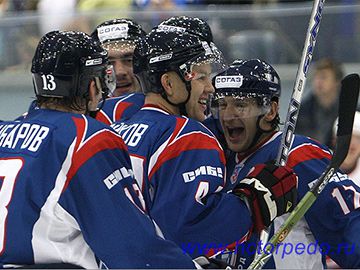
[94, 94]
[266, 120]
[167, 84]
[274, 109]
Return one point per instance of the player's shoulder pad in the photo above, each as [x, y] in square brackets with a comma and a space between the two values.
[193, 125]
[301, 140]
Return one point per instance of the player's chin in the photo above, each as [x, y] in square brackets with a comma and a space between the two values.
[200, 116]
[122, 90]
[237, 147]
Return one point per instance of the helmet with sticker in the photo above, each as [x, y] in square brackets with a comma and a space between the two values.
[247, 81]
[253, 77]
[66, 61]
[195, 26]
[192, 25]
[118, 33]
[163, 51]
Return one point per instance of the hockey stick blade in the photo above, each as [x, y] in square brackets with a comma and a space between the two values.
[347, 106]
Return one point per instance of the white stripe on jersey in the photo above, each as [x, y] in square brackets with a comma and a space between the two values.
[158, 152]
[154, 157]
[117, 104]
[154, 109]
[56, 234]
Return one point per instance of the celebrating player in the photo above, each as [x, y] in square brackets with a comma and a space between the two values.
[67, 195]
[179, 164]
[119, 38]
[246, 101]
[123, 107]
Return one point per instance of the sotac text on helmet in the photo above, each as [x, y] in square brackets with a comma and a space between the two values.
[121, 27]
[170, 28]
[113, 31]
[229, 81]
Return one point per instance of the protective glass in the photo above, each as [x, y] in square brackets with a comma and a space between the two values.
[120, 45]
[239, 106]
[109, 78]
[209, 56]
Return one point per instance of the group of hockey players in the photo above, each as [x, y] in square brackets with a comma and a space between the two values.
[149, 151]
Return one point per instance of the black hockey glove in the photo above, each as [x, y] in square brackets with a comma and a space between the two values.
[270, 190]
[211, 263]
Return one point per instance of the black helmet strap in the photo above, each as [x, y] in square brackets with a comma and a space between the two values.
[259, 131]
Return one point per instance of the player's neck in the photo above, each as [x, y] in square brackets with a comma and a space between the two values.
[261, 141]
[60, 108]
[156, 99]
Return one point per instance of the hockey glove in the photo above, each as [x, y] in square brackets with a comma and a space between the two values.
[270, 191]
[211, 263]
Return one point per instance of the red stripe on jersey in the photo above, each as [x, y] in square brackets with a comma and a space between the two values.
[306, 152]
[81, 127]
[102, 117]
[180, 124]
[194, 141]
[120, 108]
[104, 140]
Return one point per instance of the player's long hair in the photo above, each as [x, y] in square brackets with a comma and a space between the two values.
[77, 104]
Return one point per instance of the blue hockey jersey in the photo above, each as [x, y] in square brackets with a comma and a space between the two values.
[331, 226]
[118, 108]
[66, 188]
[180, 167]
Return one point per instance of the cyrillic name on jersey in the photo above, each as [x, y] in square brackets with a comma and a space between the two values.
[131, 134]
[202, 170]
[116, 176]
[23, 136]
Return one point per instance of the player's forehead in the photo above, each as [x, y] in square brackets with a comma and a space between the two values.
[119, 47]
[202, 68]
[115, 53]
[236, 99]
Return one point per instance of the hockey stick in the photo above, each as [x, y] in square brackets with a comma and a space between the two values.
[347, 106]
[298, 89]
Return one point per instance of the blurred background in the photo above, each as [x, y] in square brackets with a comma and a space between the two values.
[273, 30]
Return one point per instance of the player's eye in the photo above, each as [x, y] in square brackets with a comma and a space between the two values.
[221, 104]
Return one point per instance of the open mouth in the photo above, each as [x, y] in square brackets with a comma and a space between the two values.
[235, 132]
[203, 102]
[123, 85]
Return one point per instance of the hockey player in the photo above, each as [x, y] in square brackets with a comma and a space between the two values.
[119, 38]
[246, 101]
[179, 164]
[351, 164]
[125, 106]
[67, 195]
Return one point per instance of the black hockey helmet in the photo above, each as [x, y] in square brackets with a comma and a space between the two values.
[247, 79]
[192, 25]
[66, 61]
[118, 31]
[163, 51]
